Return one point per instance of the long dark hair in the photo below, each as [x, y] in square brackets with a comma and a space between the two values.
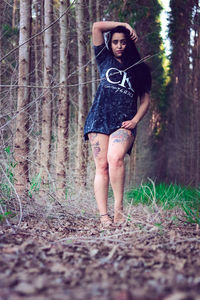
[140, 73]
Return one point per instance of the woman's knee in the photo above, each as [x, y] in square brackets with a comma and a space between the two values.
[115, 160]
[102, 167]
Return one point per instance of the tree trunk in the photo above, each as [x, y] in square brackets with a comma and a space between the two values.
[98, 10]
[93, 68]
[21, 137]
[1, 34]
[82, 95]
[62, 155]
[38, 68]
[14, 13]
[47, 99]
[179, 146]
[196, 104]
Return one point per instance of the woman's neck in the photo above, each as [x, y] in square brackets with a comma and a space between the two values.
[118, 59]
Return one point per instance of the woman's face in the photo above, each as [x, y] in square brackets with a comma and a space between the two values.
[118, 44]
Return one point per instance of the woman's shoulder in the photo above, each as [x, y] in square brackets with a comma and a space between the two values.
[101, 53]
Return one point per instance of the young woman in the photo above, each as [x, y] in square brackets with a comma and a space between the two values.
[113, 117]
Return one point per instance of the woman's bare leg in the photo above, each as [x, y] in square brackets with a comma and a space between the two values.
[119, 143]
[99, 143]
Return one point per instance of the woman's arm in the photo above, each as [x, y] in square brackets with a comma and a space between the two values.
[144, 105]
[100, 27]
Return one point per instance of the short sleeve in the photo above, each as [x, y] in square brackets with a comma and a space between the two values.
[101, 52]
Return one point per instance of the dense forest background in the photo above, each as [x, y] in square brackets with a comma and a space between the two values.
[48, 79]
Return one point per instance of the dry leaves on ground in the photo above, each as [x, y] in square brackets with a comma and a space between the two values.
[74, 258]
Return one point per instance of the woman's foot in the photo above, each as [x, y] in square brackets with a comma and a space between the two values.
[105, 220]
[119, 217]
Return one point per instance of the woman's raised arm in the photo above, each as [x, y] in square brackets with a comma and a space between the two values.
[103, 26]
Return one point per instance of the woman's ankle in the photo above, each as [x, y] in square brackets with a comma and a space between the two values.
[118, 215]
[105, 220]
[118, 209]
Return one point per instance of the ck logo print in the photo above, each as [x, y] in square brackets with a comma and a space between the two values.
[115, 76]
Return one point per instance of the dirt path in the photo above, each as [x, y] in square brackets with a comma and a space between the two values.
[72, 258]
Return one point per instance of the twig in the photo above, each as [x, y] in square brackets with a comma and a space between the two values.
[92, 239]
[77, 84]
[180, 241]
[37, 34]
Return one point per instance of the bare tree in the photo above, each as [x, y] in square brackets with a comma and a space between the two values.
[93, 69]
[38, 69]
[180, 166]
[82, 93]
[1, 22]
[62, 154]
[195, 132]
[98, 10]
[47, 100]
[21, 137]
[15, 2]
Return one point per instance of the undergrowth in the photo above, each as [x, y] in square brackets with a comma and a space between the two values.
[168, 197]
[6, 184]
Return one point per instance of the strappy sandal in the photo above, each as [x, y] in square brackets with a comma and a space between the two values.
[119, 221]
[107, 222]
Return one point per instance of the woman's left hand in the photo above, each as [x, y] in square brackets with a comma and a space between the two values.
[130, 124]
[133, 34]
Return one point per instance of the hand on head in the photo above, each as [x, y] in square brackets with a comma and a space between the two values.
[133, 34]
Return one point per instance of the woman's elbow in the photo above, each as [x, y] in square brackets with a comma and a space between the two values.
[96, 25]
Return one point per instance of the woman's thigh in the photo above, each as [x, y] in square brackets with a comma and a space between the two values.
[99, 144]
[119, 143]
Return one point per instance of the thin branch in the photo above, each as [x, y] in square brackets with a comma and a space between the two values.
[77, 84]
[37, 34]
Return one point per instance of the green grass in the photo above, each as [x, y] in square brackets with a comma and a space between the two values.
[168, 197]
[6, 184]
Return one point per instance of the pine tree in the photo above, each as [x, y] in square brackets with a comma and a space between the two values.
[81, 155]
[62, 153]
[47, 99]
[178, 139]
[22, 119]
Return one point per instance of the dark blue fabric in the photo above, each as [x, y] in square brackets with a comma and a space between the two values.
[116, 98]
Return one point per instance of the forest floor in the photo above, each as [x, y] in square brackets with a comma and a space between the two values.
[60, 255]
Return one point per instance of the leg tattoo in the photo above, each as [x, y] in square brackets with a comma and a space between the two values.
[96, 148]
[95, 144]
[92, 137]
[120, 136]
